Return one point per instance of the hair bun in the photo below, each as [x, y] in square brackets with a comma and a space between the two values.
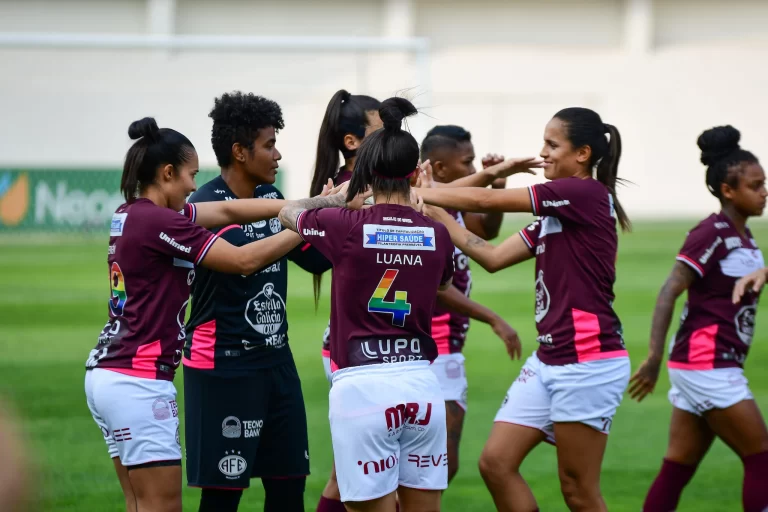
[146, 127]
[717, 143]
[345, 95]
[394, 110]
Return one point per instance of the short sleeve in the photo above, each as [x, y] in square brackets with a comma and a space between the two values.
[570, 199]
[530, 235]
[176, 235]
[326, 229]
[449, 269]
[701, 249]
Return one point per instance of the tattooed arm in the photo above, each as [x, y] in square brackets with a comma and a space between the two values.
[491, 257]
[289, 214]
[644, 379]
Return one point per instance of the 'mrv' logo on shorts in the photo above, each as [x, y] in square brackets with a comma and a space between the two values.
[406, 414]
[313, 232]
[378, 465]
[173, 243]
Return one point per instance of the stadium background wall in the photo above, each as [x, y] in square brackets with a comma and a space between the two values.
[64, 200]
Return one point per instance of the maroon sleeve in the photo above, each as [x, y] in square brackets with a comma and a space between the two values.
[570, 199]
[176, 235]
[701, 249]
[530, 235]
[326, 229]
[445, 240]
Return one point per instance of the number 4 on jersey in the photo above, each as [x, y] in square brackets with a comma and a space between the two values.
[399, 309]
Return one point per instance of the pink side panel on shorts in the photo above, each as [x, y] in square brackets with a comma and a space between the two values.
[701, 350]
[441, 332]
[202, 350]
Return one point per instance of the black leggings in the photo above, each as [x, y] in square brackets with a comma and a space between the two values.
[280, 495]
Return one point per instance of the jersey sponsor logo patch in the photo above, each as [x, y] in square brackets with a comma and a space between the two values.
[732, 242]
[232, 465]
[542, 298]
[741, 262]
[161, 410]
[745, 323]
[550, 226]
[274, 225]
[265, 312]
[313, 232]
[555, 204]
[398, 238]
[173, 243]
[118, 223]
[231, 427]
[710, 251]
[721, 225]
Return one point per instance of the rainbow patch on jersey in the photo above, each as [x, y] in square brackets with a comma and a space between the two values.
[399, 309]
[398, 238]
[117, 285]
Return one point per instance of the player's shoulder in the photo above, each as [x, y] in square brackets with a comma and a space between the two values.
[711, 226]
[211, 191]
[267, 192]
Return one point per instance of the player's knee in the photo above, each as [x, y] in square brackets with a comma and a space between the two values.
[578, 494]
[493, 467]
[284, 494]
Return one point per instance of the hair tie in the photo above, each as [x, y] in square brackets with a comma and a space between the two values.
[398, 178]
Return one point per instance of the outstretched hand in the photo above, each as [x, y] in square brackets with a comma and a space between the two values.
[512, 166]
[644, 380]
[753, 282]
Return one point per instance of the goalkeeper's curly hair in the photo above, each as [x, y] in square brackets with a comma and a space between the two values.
[238, 117]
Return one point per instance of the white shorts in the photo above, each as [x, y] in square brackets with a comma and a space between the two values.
[327, 368]
[449, 370]
[588, 393]
[138, 417]
[388, 429]
[698, 391]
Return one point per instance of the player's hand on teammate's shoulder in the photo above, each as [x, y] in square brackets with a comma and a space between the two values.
[754, 282]
[509, 336]
[644, 380]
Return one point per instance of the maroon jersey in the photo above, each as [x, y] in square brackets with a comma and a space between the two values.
[449, 329]
[388, 262]
[575, 244]
[714, 332]
[152, 256]
[342, 176]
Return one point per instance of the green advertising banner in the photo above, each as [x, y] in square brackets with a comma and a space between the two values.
[63, 200]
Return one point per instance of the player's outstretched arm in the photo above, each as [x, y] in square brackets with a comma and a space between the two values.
[491, 257]
[754, 282]
[453, 300]
[247, 259]
[497, 171]
[239, 211]
[289, 214]
[644, 379]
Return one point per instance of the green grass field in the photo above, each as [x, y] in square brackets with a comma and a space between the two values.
[53, 297]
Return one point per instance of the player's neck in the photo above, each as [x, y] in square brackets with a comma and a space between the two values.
[739, 220]
[392, 199]
[349, 163]
[240, 183]
[154, 194]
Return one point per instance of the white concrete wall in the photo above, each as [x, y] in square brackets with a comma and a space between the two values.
[500, 68]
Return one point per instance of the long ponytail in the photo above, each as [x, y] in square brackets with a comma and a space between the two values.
[585, 128]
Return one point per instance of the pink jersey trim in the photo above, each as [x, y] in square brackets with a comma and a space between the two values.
[326, 353]
[228, 228]
[696, 267]
[205, 248]
[202, 350]
[526, 239]
[306, 247]
[701, 347]
[534, 199]
[334, 366]
[587, 338]
[192, 212]
[441, 333]
[298, 223]
[142, 374]
[677, 365]
[144, 361]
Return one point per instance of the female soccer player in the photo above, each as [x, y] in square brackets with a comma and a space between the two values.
[710, 395]
[386, 409]
[451, 153]
[348, 119]
[571, 387]
[152, 255]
